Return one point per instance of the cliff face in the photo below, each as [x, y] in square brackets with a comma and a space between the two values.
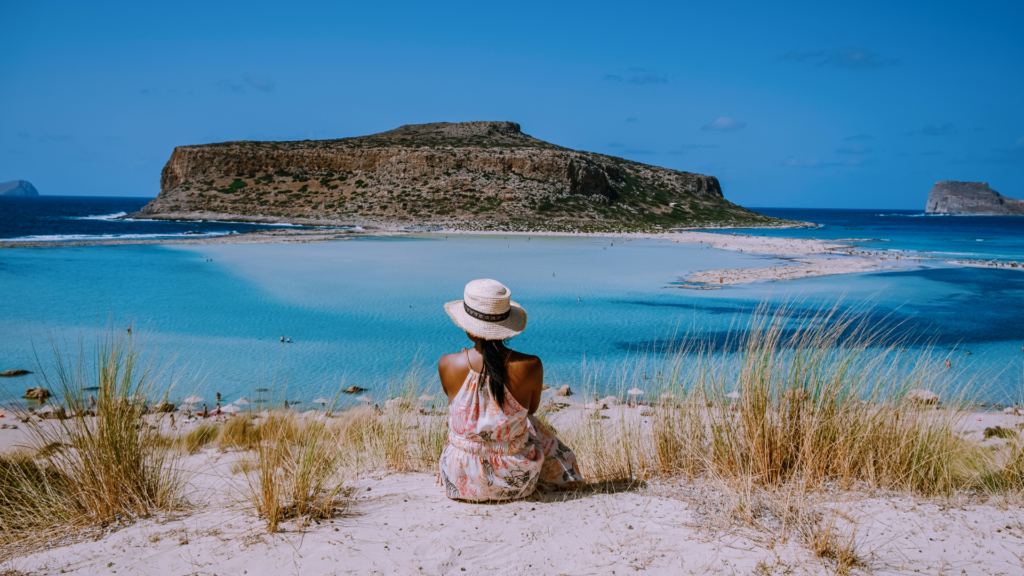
[970, 198]
[18, 188]
[470, 175]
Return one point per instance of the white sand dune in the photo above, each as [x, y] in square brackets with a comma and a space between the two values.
[404, 524]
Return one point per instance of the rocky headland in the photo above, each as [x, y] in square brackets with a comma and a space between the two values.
[469, 176]
[972, 199]
[18, 188]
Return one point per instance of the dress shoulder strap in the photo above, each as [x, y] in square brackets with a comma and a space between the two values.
[468, 363]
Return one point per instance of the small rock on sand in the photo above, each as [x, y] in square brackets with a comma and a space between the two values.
[353, 390]
[162, 408]
[609, 401]
[38, 393]
[919, 396]
[564, 391]
[999, 432]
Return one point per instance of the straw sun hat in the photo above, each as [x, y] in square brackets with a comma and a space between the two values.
[487, 311]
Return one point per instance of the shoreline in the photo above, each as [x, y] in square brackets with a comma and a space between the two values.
[801, 257]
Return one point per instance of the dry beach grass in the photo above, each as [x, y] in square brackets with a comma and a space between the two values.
[822, 421]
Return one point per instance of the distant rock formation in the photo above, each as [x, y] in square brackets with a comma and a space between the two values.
[971, 198]
[18, 188]
[470, 175]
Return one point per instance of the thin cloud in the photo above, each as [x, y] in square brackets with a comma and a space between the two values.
[858, 137]
[639, 77]
[630, 119]
[24, 135]
[260, 83]
[798, 162]
[1011, 155]
[933, 130]
[648, 78]
[853, 150]
[229, 86]
[723, 124]
[616, 145]
[685, 147]
[636, 151]
[931, 153]
[844, 57]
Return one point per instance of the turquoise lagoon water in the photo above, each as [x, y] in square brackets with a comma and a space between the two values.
[365, 310]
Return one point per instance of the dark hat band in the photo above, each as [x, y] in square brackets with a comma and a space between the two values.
[486, 317]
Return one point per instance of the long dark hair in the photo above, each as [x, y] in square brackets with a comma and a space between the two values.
[495, 355]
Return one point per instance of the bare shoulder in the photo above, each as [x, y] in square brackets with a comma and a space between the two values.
[451, 365]
[452, 360]
[526, 363]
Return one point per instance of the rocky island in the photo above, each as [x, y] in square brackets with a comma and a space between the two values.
[470, 176]
[18, 188]
[971, 198]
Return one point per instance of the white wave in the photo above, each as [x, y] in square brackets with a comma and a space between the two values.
[280, 224]
[910, 215]
[99, 217]
[74, 237]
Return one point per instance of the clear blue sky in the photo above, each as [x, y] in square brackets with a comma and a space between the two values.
[817, 104]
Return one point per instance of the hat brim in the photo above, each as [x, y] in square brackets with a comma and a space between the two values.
[507, 328]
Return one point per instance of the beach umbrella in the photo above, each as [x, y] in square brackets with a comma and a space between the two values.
[193, 400]
[635, 391]
[242, 401]
[735, 395]
[364, 398]
[321, 400]
[231, 409]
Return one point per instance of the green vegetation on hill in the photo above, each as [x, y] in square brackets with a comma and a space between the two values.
[473, 175]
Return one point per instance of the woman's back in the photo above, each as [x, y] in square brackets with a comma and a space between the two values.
[496, 449]
[524, 381]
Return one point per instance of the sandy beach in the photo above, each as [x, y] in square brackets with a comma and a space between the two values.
[402, 523]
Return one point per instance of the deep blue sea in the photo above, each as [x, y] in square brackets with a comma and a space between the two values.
[998, 238]
[364, 310]
[52, 218]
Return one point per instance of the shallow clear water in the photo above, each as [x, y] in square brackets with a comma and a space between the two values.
[365, 309]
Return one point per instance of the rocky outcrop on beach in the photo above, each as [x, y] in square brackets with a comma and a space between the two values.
[18, 188]
[971, 198]
[37, 393]
[471, 175]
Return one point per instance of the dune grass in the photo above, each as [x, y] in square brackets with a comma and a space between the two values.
[110, 467]
[820, 400]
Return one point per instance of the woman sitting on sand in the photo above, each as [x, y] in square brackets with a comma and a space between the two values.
[497, 450]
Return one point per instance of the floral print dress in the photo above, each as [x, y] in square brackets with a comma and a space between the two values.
[496, 453]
